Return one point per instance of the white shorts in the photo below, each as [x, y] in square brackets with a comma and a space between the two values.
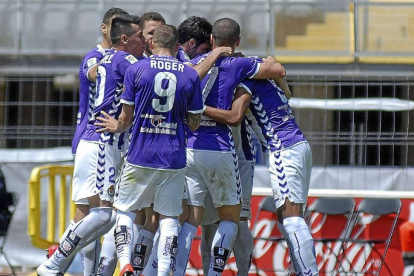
[211, 214]
[140, 187]
[95, 172]
[212, 172]
[290, 171]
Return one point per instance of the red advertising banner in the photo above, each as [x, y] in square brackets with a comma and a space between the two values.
[271, 258]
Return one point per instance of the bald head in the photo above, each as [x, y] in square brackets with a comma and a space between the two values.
[165, 36]
[226, 32]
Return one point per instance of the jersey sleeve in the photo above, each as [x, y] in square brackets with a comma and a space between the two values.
[89, 61]
[248, 85]
[247, 68]
[128, 96]
[195, 104]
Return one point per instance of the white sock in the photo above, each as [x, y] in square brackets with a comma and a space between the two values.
[208, 232]
[135, 229]
[222, 245]
[69, 261]
[108, 259]
[302, 244]
[142, 250]
[124, 236]
[151, 269]
[90, 258]
[243, 249]
[78, 236]
[167, 246]
[285, 235]
[185, 239]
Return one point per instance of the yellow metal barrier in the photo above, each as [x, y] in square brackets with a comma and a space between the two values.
[54, 177]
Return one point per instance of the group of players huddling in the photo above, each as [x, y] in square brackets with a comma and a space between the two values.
[163, 146]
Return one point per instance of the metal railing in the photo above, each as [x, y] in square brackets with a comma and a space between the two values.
[333, 31]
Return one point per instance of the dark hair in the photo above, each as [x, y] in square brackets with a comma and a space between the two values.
[122, 25]
[111, 13]
[151, 16]
[165, 36]
[226, 32]
[194, 27]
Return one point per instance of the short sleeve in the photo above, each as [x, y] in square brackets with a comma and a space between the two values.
[248, 85]
[89, 61]
[128, 96]
[195, 104]
[247, 68]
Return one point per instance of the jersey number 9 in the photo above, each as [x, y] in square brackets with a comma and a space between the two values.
[168, 93]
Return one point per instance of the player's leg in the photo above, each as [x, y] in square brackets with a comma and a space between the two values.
[168, 203]
[99, 194]
[209, 226]
[108, 258]
[136, 228]
[226, 195]
[145, 240]
[151, 269]
[135, 192]
[290, 175]
[196, 191]
[243, 246]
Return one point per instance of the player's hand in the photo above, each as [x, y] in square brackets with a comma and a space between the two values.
[270, 60]
[224, 51]
[108, 123]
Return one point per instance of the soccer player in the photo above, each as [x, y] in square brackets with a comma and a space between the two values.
[211, 160]
[163, 93]
[87, 90]
[289, 162]
[149, 22]
[98, 154]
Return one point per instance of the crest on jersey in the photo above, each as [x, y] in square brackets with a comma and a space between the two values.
[131, 59]
[91, 62]
[111, 190]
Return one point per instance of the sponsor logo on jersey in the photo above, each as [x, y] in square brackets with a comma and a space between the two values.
[91, 62]
[131, 59]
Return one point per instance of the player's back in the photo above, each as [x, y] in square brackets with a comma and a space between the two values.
[271, 115]
[219, 86]
[87, 91]
[110, 78]
[163, 90]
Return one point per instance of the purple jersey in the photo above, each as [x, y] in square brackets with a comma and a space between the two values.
[87, 90]
[182, 55]
[272, 118]
[110, 79]
[218, 92]
[163, 90]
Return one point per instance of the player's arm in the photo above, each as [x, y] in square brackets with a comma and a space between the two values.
[285, 87]
[203, 67]
[116, 126]
[193, 120]
[234, 116]
[270, 69]
[93, 73]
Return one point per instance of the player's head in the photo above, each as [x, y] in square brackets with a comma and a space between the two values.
[126, 34]
[149, 22]
[107, 21]
[165, 37]
[194, 35]
[226, 32]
